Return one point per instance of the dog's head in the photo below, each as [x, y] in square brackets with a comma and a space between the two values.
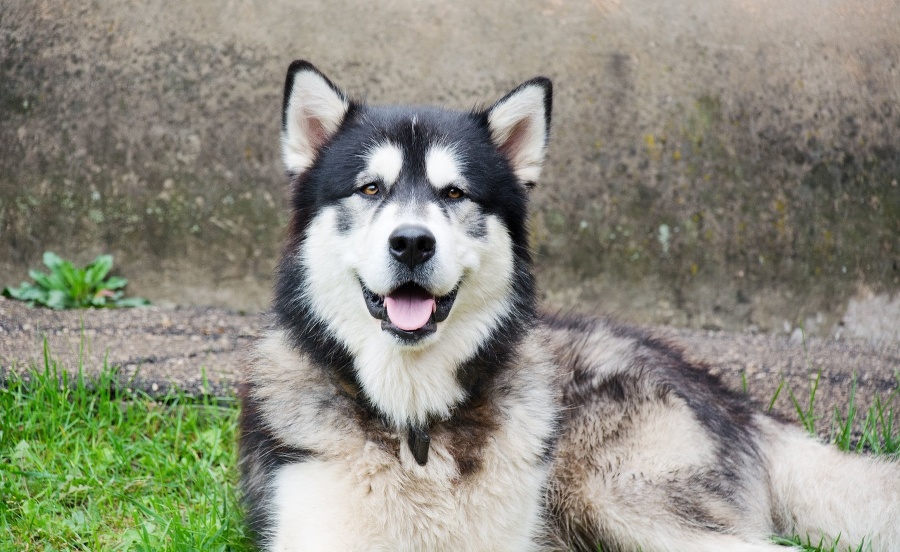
[409, 231]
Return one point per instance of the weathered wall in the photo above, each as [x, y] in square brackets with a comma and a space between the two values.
[712, 163]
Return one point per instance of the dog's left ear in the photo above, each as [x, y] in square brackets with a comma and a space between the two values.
[520, 126]
[313, 110]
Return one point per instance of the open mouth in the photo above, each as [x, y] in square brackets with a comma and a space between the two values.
[410, 312]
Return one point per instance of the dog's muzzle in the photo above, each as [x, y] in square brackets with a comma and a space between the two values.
[410, 312]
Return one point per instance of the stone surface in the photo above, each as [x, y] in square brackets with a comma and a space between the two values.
[719, 165]
[874, 316]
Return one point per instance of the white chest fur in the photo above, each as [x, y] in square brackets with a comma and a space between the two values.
[358, 494]
[375, 503]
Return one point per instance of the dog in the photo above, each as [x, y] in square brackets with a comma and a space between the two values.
[408, 396]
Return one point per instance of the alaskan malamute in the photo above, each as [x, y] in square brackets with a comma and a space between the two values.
[408, 397]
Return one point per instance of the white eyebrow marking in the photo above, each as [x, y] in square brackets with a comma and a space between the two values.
[384, 162]
[442, 167]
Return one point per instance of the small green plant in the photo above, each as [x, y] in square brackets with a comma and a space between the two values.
[67, 287]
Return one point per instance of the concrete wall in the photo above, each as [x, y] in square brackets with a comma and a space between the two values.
[713, 164]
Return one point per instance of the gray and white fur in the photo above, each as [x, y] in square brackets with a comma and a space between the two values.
[407, 396]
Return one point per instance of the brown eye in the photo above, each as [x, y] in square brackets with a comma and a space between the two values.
[370, 189]
[454, 193]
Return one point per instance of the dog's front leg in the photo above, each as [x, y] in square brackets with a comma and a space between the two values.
[315, 507]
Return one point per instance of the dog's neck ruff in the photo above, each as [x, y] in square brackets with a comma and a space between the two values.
[418, 437]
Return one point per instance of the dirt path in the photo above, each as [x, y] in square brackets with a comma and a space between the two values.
[158, 347]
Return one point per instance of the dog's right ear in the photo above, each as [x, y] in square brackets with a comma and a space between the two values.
[520, 126]
[312, 111]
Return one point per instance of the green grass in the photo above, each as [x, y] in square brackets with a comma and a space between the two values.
[84, 467]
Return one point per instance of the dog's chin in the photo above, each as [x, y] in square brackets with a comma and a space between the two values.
[409, 333]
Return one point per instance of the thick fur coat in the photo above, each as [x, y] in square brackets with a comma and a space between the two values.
[408, 397]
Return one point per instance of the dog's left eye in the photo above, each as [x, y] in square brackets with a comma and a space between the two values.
[453, 193]
[370, 189]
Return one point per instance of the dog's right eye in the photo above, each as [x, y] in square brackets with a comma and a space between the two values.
[370, 189]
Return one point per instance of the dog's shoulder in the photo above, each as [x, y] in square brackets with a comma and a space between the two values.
[301, 404]
[615, 378]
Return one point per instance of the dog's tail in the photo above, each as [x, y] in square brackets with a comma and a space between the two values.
[822, 494]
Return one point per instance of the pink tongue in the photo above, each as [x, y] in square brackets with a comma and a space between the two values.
[409, 311]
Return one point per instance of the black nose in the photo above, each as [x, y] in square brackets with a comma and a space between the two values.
[411, 245]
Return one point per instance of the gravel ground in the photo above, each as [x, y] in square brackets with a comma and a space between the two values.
[202, 350]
